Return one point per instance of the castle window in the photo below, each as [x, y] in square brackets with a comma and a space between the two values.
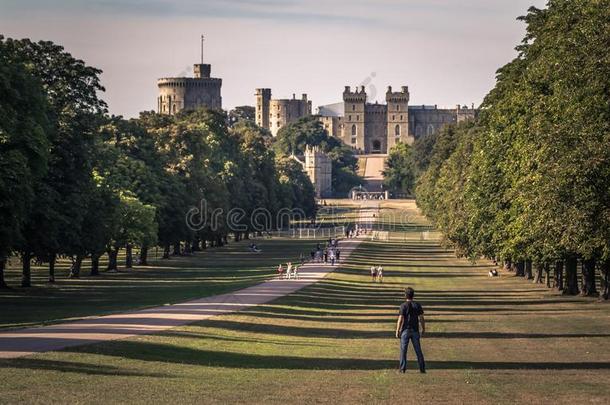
[397, 108]
[401, 117]
[430, 129]
[353, 140]
[353, 107]
[354, 130]
[278, 124]
[397, 130]
[393, 117]
[357, 117]
[350, 118]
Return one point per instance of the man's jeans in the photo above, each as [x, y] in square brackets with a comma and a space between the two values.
[404, 344]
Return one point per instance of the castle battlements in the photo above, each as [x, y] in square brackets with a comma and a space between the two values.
[188, 93]
[273, 114]
[375, 128]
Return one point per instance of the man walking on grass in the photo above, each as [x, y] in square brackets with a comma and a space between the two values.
[407, 328]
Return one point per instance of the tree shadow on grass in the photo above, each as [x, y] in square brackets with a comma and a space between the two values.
[73, 367]
[145, 351]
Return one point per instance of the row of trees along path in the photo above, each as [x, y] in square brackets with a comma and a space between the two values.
[528, 183]
[78, 183]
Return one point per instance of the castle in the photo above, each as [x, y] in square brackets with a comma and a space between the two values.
[318, 167]
[189, 93]
[375, 128]
[273, 114]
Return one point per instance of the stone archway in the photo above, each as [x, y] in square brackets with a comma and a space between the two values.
[376, 146]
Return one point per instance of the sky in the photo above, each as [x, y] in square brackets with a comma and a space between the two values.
[446, 51]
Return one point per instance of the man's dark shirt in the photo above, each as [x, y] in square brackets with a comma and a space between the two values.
[411, 312]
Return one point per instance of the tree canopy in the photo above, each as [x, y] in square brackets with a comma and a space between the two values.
[76, 182]
[530, 182]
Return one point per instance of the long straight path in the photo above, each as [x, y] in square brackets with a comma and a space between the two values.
[24, 342]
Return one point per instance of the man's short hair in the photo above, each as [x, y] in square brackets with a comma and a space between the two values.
[409, 293]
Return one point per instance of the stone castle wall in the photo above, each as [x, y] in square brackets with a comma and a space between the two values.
[273, 114]
[376, 128]
[188, 93]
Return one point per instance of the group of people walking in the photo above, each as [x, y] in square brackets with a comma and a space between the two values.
[288, 272]
[357, 231]
[329, 254]
[377, 274]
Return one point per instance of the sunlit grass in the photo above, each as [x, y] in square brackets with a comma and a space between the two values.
[490, 341]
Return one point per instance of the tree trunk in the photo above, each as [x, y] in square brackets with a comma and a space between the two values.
[247, 235]
[588, 278]
[508, 265]
[176, 249]
[26, 275]
[558, 275]
[520, 269]
[76, 265]
[605, 290]
[547, 275]
[52, 259]
[219, 241]
[2, 267]
[571, 287]
[187, 247]
[538, 275]
[95, 265]
[236, 237]
[166, 251]
[113, 252]
[528, 270]
[225, 239]
[129, 256]
[143, 256]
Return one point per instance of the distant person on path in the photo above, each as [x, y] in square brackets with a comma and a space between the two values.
[410, 315]
[380, 274]
[373, 274]
[338, 255]
[280, 271]
[288, 270]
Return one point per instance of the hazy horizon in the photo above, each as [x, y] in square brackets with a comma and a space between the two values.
[447, 52]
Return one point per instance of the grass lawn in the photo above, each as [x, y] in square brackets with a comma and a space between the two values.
[213, 271]
[489, 340]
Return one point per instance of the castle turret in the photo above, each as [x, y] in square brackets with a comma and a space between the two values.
[354, 117]
[318, 167]
[397, 116]
[273, 114]
[202, 70]
[263, 97]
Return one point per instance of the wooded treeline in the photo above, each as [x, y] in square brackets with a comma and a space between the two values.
[529, 182]
[76, 182]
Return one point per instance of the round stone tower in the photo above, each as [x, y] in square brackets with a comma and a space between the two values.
[180, 93]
